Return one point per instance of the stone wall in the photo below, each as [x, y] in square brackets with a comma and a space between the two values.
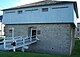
[77, 30]
[54, 38]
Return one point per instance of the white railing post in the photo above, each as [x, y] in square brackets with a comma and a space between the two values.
[23, 41]
[37, 37]
[4, 43]
[13, 33]
[23, 44]
[31, 38]
[14, 49]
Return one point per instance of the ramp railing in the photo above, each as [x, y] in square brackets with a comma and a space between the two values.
[18, 41]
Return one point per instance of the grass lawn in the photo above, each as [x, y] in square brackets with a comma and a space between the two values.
[76, 53]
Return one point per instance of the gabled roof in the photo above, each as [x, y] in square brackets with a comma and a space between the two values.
[45, 3]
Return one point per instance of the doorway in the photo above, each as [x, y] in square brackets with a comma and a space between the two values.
[33, 34]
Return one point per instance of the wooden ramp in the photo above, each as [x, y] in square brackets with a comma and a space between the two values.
[11, 43]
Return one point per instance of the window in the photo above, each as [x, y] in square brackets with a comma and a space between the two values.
[32, 10]
[10, 12]
[38, 32]
[60, 7]
[77, 29]
[19, 12]
[44, 9]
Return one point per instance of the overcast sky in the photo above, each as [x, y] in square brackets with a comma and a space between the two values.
[12, 3]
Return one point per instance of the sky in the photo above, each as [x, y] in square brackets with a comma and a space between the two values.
[13, 3]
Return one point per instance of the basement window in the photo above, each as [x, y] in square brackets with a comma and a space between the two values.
[20, 11]
[44, 9]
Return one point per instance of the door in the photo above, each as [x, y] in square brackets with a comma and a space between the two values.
[33, 34]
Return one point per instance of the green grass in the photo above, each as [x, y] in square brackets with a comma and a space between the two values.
[27, 54]
[76, 50]
[76, 53]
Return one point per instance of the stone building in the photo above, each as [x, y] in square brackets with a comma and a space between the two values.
[53, 22]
